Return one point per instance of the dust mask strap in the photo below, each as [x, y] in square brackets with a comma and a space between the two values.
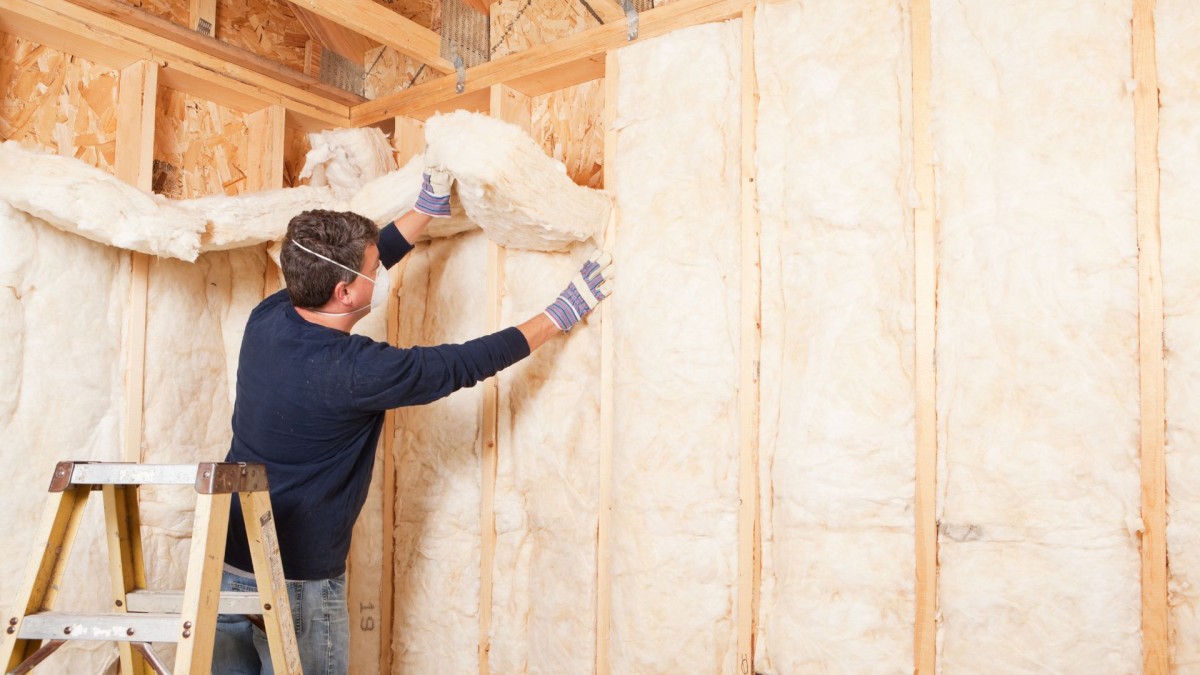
[380, 283]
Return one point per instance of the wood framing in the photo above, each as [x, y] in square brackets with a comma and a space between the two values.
[408, 141]
[157, 26]
[539, 70]
[749, 555]
[202, 17]
[384, 26]
[607, 410]
[333, 36]
[925, 338]
[515, 108]
[136, 96]
[608, 10]
[111, 41]
[1155, 617]
[265, 169]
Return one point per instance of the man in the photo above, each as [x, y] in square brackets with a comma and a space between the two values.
[310, 405]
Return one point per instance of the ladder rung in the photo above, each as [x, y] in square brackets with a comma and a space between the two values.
[133, 474]
[120, 627]
[171, 602]
[207, 477]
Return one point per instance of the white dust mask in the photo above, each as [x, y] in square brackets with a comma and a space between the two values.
[381, 282]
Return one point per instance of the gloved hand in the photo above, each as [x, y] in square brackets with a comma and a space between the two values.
[592, 284]
[434, 199]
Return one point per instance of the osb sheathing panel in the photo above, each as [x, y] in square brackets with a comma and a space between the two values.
[388, 71]
[173, 10]
[58, 102]
[569, 125]
[204, 143]
[295, 147]
[520, 24]
[268, 28]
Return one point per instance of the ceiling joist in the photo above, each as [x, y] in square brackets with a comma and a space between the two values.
[333, 36]
[384, 26]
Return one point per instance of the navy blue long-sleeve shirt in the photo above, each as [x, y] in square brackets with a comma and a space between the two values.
[310, 405]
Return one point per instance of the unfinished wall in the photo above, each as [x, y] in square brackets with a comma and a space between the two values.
[1179, 147]
[837, 438]
[1037, 359]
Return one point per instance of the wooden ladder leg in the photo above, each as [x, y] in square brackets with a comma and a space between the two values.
[121, 527]
[272, 588]
[44, 574]
[198, 619]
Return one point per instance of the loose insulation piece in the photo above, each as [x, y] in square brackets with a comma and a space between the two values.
[1176, 23]
[837, 438]
[1037, 345]
[347, 159]
[81, 199]
[393, 194]
[509, 187]
[675, 373]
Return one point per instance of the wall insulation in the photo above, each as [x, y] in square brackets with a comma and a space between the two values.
[837, 438]
[675, 446]
[437, 470]
[1179, 150]
[62, 317]
[1037, 362]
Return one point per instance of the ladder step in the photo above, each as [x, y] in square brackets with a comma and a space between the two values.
[171, 602]
[118, 627]
[206, 477]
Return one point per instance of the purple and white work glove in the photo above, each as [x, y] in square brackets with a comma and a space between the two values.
[434, 199]
[592, 284]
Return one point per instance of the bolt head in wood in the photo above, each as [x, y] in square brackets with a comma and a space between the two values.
[187, 633]
[267, 607]
[187, 624]
[119, 603]
[129, 631]
[67, 630]
[12, 621]
[11, 630]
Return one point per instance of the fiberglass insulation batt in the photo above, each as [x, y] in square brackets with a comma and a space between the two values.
[437, 456]
[63, 303]
[1037, 365]
[547, 483]
[1176, 24]
[837, 443]
[676, 335]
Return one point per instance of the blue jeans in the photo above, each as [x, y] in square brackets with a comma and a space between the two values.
[318, 615]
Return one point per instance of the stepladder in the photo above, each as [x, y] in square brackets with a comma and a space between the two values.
[139, 617]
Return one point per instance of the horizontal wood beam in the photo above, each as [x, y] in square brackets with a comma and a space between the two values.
[539, 70]
[212, 70]
[384, 26]
[333, 36]
[160, 27]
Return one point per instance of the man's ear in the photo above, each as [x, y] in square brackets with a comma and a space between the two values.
[341, 293]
